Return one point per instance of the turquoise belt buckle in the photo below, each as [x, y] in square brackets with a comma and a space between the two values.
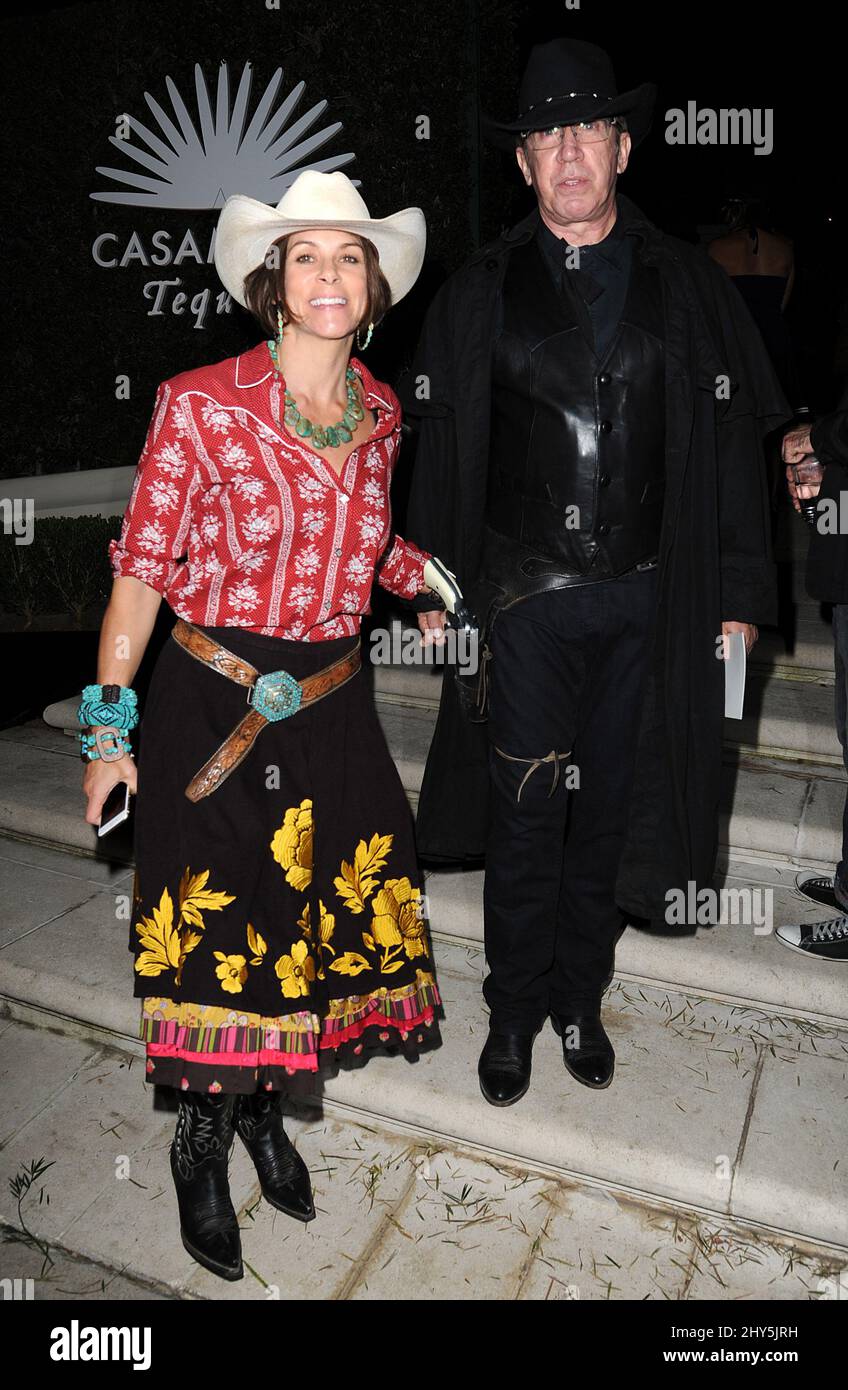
[276, 695]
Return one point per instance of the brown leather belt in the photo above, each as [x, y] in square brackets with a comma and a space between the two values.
[274, 696]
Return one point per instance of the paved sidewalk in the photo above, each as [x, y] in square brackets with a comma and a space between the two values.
[400, 1216]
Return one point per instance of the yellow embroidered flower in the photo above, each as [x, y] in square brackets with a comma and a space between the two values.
[168, 943]
[325, 932]
[232, 972]
[358, 880]
[292, 845]
[295, 971]
[398, 918]
[195, 898]
[351, 963]
[160, 939]
[257, 944]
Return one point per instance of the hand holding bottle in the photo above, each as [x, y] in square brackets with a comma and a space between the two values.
[805, 480]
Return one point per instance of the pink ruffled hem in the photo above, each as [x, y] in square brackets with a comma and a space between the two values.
[293, 1061]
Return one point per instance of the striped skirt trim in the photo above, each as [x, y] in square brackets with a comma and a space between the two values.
[216, 1035]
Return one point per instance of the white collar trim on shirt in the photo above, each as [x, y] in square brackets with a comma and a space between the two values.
[242, 371]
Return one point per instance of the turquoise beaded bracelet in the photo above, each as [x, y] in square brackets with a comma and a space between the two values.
[114, 709]
[95, 708]
[119, 739]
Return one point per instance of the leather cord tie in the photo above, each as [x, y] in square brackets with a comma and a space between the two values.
[483, 682]
[552, 757]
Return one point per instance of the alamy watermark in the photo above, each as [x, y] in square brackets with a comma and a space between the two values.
[726, 126]
[832, 515]
[19, 518]
[711, 907]
[79, 1342]
[398, 646]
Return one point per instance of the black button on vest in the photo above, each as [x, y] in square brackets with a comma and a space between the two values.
[576, 460]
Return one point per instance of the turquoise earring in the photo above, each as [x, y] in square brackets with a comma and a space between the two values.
[279, 326]
[363, 346]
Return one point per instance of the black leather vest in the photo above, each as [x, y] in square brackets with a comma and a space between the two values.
[576, 461]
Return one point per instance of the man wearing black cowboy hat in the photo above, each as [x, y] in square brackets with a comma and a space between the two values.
[592, 398]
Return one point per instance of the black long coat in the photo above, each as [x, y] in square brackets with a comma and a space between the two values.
[715, 547]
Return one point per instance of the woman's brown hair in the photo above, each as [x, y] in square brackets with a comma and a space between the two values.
[264, 287]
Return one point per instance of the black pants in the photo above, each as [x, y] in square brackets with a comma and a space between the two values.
[567, 676]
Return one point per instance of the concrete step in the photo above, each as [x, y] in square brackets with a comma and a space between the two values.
[788, 719]
[789, 709]
[783, 809]
[697, 1114]
[783, 817]
[737, 960]
[803, 651]
[789, 695]
[400, 1213]
[789, 712]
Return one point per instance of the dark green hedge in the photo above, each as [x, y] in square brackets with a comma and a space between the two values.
[64, 572]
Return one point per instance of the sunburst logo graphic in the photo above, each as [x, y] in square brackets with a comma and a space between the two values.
[199, 163]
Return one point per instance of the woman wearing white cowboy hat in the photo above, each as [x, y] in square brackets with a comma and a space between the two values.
[276, 912]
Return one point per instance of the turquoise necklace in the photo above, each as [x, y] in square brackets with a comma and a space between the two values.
[322, 436]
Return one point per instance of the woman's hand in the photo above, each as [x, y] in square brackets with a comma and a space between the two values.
[99, 779]
[432, 627]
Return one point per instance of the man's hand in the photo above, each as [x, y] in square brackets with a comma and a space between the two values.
[795, 448]
[800, 491]
[432, 627]
[792, 487]
[796, 444]
[750, 632]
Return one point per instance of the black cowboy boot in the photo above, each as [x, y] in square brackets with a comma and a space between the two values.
[199, 1159]
[586, 1050]
[505, 1064]
[283, 1175]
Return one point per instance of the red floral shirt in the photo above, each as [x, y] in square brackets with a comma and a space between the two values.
[274, 540]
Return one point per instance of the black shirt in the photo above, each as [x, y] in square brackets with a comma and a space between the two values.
[599, 274]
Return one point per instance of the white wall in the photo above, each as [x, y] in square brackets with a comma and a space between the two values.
[92, 492]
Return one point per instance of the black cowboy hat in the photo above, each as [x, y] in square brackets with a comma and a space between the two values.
[565, 81]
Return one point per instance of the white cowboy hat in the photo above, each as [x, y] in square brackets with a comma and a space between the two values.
[247, 229]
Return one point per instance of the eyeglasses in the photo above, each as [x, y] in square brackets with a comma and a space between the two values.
[584, 133]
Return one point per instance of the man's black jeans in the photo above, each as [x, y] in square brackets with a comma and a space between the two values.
[567, 677]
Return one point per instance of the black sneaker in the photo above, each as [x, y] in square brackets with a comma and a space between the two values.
[826, 940]
[819, 889]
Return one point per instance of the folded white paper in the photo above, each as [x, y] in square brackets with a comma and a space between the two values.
[734, 675]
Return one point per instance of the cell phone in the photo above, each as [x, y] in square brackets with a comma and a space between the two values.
[116, 808]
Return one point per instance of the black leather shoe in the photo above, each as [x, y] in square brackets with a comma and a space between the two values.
[199, 1158]
[283, 1175]
[504, 1066]
[586, 1049]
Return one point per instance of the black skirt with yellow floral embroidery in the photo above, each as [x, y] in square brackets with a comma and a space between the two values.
[279, 919]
